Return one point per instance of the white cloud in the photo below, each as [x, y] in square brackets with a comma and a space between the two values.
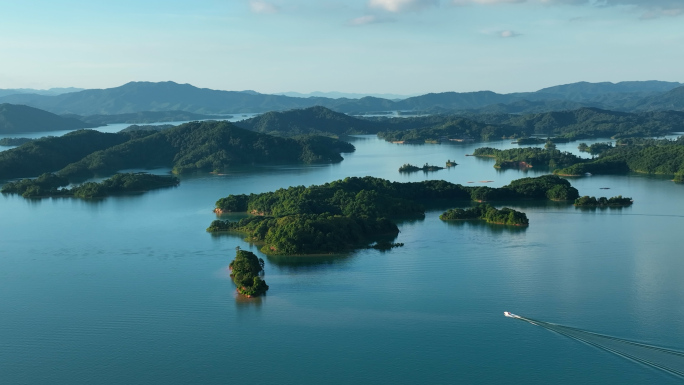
[469, 2]
[508, 33]
[260, 6]
[402, 5]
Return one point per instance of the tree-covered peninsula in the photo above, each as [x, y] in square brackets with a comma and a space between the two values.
[50, 185]
[14, 141]
[648, 156]
[488, 213]
[246, 271]
[353, 212]
[544, 158]
[618, 201]
[195, 146]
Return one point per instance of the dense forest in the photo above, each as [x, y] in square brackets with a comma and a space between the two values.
[49, 185]
[16, 119]
[544, 158]
[649, 156]
[14, 141]
[618, 201]
[246, 271]
[488, 213]
[50, 154]
[350, 213]
[196, 146]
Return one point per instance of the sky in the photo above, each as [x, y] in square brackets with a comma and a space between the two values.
[366, 46]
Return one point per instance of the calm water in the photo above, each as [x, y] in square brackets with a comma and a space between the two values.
[132, 290]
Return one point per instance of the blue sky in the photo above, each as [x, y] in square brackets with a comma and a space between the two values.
[366, 46]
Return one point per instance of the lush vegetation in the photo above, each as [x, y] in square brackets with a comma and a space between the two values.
[350, 213]
[50, 154]
[16, 119]
[618, 201]
[207, 146]
[411, 168]
[314, 120]
[488, 213]
[202, 146]
[49, 185]
[649, 156]
[562, 125]
[14, 141]
[152, 128]
[545, 158]
[246, 271]
[596, 148]
[451, 163]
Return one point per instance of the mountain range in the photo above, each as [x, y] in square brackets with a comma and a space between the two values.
[166, 96]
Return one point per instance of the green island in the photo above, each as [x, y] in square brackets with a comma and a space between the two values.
[14, 141]
[545, 158]
[246, 271]
[451, 163]
[596, 148]
[351, 213]
[195, 146]
[618, 201]
[49, 185]
[647, 156]
[411, 168]
[488, 213]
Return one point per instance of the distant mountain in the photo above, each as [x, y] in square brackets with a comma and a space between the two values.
[339, 95]
[672, 100]
[169, 96]
[313, 120]
[146, 117]
[165, 96]
[17, 119]
[51, 91]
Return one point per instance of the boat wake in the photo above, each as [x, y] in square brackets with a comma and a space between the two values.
[668, 360]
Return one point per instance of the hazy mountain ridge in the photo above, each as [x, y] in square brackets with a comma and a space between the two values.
[165, 96]
[17, 119]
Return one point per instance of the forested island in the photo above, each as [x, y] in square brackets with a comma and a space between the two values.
[50, 185]
[246, 271]
[488, 213]
[411, 168]
[196, 146]
[351, 213]
[14, 141]
[618, 201]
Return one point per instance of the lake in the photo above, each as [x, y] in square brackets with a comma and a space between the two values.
[132, 290]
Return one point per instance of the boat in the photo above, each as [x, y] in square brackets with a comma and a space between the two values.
[511, 315]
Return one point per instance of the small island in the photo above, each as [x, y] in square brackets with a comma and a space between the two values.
[618, 201]
[451, 163]
[246, 271]
[411, 168]
[488, 213]
[50, 185]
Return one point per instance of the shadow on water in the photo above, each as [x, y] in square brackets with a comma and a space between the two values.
[244, 303]
[481, 226]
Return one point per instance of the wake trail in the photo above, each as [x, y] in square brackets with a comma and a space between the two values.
[665, 359]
